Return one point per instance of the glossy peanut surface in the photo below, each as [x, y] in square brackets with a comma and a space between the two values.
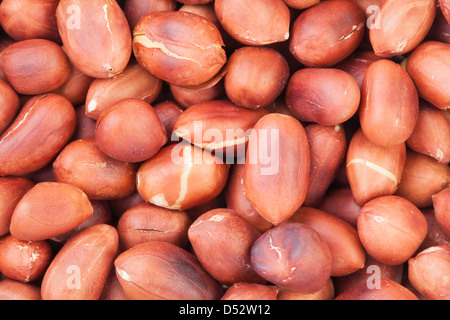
[95, 35]
[47, 67]
[49, 209]
[42, 128]
[332, 102]
[157, 47]
[391, 229]
[344, 22]
[389, 108]
[388, 40]
[286, 139]
[142, 132]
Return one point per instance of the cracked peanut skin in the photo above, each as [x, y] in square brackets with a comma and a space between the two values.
[24, 261]
[95, 35]
[147, 222]
[181, 48]
[80, 269]
[227, 234]
[372, 170]
[294, 257]
[181, 177]
[391, 36]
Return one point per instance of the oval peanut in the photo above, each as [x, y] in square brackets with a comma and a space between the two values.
[81, 267]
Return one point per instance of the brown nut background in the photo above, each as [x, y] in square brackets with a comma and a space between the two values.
[224, 150]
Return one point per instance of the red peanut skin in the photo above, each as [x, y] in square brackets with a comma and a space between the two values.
[372, 170]
[357, 63]
[24, 261]
[76, 87]
[250, 291]
[440, 30]
[95, 35]
[101, 215]
[300, 4]
[232, 240]
[16, 290]
[30, 19]
[326, 293]
[294, 257]
[136, 9]
[339, 202]
[365, 4]
[430, 135]
[215, 203]
[195, 1]
[47, 66]
[12, 190]
[49, 209]
[171, 45]
[389, 105]
[205, 9]
[428, 66]
[112, 289]
[388, 290]
[422, 177]
[435, 235]
[9, 105]
[370, 273]
[146, 222]
[5, 42]
[322, 95]
[287, 180]
[344, 22]
[255, 76]
[235, 199]
[119, 206]
[342, 239]
[82, 164]
[142, 133]
[328, 148]
[267, 21]
[88, 255]
[168, 112]
[221, 115]
[189, 96]
[159, 178]
[133, 82]
[42, 128]
[158, 270]
[428, 272]
[391, 37]
[85, 128]
[441, 205]
[391, 229]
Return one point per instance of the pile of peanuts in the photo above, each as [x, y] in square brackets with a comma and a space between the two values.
[225, 150]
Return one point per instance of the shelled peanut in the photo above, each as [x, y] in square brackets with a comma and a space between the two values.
[222, 149]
